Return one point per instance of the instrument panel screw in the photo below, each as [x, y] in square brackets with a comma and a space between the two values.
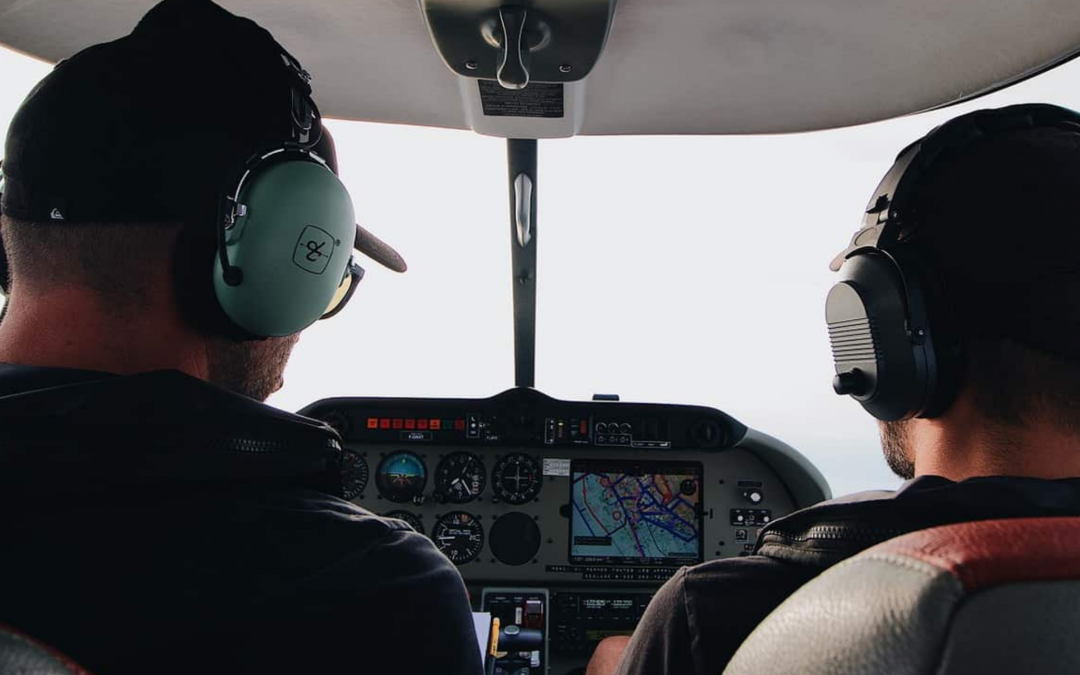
[471, 65]
[565, 68]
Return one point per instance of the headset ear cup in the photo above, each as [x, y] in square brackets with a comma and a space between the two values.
[867, 317]
[292, 248]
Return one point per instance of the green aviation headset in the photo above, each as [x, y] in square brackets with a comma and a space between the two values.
[285, 233]
[895, 344]
[284, 241]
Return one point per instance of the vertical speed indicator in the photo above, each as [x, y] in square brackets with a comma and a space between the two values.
[459, 536]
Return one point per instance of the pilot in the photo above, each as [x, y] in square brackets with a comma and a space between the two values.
[988, 235]
[171, 220]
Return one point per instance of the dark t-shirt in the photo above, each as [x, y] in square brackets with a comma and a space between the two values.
[698, 619]
[213, 558]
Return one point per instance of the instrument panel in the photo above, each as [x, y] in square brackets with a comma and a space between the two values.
[536, 516]
[591, 505]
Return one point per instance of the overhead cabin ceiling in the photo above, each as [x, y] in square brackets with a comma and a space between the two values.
[670, 66]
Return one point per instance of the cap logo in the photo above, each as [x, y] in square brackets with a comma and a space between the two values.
[314, 250]
[56, 215]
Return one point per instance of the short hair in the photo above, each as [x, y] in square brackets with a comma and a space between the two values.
[998, 223]
[116, 261]
[1019, 386]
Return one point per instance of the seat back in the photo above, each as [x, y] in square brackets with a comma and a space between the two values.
[984, 597]
[21, 655]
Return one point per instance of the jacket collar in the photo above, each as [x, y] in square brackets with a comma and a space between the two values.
[72, 429]
[824, 534]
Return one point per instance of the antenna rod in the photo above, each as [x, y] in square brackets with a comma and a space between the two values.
[521, 159]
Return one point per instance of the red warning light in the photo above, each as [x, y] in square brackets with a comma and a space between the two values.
[422, 425]
[398, 423]
[410, 423]
[436, 425]
[373, 423]
[459, 425]
[384, 423]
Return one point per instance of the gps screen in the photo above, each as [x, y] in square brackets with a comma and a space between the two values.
[635, 513]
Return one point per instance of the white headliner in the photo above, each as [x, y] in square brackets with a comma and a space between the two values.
[670, 67]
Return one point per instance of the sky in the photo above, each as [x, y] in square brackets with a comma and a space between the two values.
[671, 269]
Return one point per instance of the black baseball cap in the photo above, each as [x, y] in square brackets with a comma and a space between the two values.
[153, 127]
[999, 225]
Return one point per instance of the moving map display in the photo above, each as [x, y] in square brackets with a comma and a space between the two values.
[635, 513]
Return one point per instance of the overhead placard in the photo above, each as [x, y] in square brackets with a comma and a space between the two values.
[539, 99]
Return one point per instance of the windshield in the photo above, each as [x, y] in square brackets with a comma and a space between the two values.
[671, 269]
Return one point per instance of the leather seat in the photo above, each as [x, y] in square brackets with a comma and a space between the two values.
[21, 655]
[981, 598]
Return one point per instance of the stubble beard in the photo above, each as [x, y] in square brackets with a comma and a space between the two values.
[896, 443]
[255, 368]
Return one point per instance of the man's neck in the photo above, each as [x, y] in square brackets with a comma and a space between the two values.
[963, 444]
[70, 329]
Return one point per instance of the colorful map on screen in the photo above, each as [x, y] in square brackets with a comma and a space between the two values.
[647, 518]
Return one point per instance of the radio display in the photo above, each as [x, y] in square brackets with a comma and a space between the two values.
[635, 513]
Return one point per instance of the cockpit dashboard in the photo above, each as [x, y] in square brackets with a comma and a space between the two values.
[567, 516]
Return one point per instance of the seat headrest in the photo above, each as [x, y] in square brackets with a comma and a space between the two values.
[22, 655]
[984, 597]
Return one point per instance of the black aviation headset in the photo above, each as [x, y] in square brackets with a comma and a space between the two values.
[284, 235]
[895, 343]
